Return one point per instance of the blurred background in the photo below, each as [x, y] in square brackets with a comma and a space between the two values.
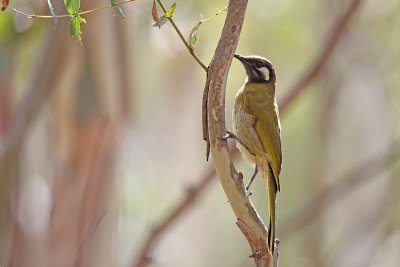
[101, 142]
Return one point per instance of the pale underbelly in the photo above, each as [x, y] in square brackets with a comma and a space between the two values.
[243, 127]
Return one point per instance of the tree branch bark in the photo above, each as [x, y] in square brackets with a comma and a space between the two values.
[249, 221]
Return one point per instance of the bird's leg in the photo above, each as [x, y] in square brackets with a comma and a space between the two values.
[252, 178]
[229, 134]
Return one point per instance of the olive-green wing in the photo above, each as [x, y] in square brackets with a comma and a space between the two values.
[261, 104]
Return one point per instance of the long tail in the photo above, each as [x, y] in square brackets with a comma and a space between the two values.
[271, 209]
[269, 181]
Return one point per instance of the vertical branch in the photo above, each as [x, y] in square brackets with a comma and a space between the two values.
[249, 221]
[39, 85]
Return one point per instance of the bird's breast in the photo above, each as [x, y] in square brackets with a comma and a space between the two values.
[243, 127]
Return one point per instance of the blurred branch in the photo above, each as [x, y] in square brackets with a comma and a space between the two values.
[42, 79]
[329, 46]
[39, 85]
[87, 224]
[189, 48]
[144, 255]
[350, 181]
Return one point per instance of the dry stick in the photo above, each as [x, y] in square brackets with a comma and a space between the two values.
[311, 74]
[330, 44]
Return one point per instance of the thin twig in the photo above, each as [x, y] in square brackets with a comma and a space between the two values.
[33, 16]
[219, 12]
[189, 48]
[329, 46]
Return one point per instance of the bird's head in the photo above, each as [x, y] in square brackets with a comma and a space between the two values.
[258, 69]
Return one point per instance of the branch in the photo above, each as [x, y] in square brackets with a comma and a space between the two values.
[33, 16]
[144, 256]
[232, 182]
[347, 183]
[189, 48]
[42, 80]
[316, 68]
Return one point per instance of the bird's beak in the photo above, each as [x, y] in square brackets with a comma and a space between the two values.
[242, 59]
[238, 57]
[246, 65]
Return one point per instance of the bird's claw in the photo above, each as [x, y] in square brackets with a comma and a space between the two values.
[227, 135]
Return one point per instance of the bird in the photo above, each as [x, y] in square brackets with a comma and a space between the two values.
[256, 127]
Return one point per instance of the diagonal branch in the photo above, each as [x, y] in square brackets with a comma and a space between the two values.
[144, 255]
[351, 180]
[329, 46]
[189, 48]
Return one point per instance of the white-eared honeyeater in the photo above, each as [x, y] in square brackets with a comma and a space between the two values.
[256, 125]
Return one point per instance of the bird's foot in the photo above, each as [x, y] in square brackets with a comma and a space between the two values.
[229, 134]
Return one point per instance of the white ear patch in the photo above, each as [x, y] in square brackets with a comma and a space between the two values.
[265, 72]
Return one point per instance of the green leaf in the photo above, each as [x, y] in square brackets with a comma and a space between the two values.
[75, 27]
[193, 34]
[170, 11]
[118, 10]
[72, 6]
[161, 21]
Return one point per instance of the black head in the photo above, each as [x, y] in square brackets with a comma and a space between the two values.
[258, 69]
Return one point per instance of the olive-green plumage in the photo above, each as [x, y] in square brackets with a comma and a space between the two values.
[256, 124]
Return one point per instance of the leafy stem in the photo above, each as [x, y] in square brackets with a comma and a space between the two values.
[189, 48]
[32, 16]
[76, 23]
